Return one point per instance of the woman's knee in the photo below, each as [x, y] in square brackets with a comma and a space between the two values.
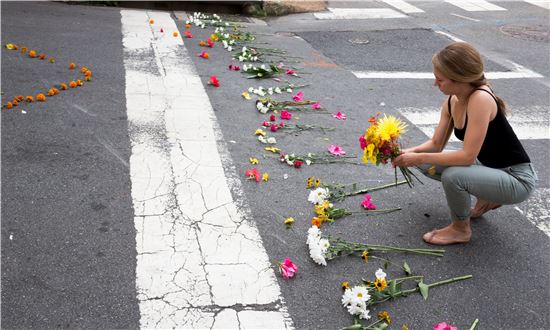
[452, 176]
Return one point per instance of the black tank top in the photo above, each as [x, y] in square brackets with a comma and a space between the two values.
[501, 147]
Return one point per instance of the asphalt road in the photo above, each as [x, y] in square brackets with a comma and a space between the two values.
[68, 235]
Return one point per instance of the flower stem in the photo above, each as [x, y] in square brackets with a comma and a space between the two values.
[474, 325]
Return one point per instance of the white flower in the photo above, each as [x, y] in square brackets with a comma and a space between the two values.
[263, 66]
[309, 154]
[380, 274]
[254, 58]
[241, 59]
[259, 105]
[231, 42]
[324, 244]
[224, 43]
[277, 90]
[317, 255]
[271, 140]
[250, 89]
[314, 231]
[226, 24]
[285, 176]
[289, 162]
[308, 162]
[244, 49]
[347, 297]
[360, 294]
[260, 74]
[270, 91]
[229, 48]
[359, 309]
[203, 26]
[318, 196]
[262, 139]
[289, 90]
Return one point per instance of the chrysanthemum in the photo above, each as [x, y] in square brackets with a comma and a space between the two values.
[390, 127]
[318, 196]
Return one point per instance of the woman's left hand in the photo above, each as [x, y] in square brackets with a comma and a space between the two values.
[407, 159]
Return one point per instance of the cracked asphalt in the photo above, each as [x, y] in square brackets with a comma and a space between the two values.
[78, 243]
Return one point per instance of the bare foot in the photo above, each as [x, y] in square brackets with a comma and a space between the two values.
[482, 207]
[452, 234]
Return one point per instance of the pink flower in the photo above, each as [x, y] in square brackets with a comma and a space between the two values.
[188, 34]
[298, 163]
[161, 30]
[290, 72]
[272, 118]
[286, 115]
[214, 81]
[210, 43]
[253, 174]
[362, 142]
[336, 150]
[280, 65]
[339, 115]
[287, 268]
[204, 54]
[234, 67]
[274, 127]
[282, 124]
[316, 106]
[444, 326]
[298, 97]
[265, 124]
[367, 204]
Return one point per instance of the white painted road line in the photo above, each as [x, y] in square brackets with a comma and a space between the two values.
[517, 74]
[359, 13]
[201, 262]
[536, 209]
[403, 6]
[541, 3]
[528, 122]
[475, 5]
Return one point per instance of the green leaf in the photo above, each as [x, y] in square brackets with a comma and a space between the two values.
[386, 264]
[357, 326]
[423, 289]
[407, 268]
[381, 326]
[392, 288]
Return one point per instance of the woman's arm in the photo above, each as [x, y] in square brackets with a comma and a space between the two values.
[440, 136]
[480, 110]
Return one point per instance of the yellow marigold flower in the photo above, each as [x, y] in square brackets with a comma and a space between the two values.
[24, 49]
[384, 316]
[20, 98]
[345, 285]
[380, 284]
[175, 34]
[11, 46]
[187, 26]
[79, 82]
[29, 99]
[72, 66]
[83, 69]
[289, 221]
[246, 95]
[51, 92]
[151, 21]
[32, 54]
[390, 127]
[9, 105]
[15, 102]
[365, 256]
[72, 84]
[42, 56]
[63, 86]
[323, 217]
[52, 59]
[55, 90]
[253, 161]
[405, 327]
[310, 181]
[88, 78]
[41, 97]
[259, 131]
[272, 149]
[265, 177]
[202, 43]
[317, 182]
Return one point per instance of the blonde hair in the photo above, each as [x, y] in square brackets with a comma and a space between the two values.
[461, 62]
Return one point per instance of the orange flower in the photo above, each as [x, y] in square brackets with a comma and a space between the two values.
[32, 54]
[83, 69]
[202, 43]
[63, 86]
[20, 97]
[9, 105]
[15, 102]
[187, 26]
[55, 90]
[42, 56]
[88, 78]
[152, 21]
[72, 66]
[50, 92]
[175, 34]
[29, 99]
[41, 97]
[72, 84]
[79, 82]
[316, 222]
[88, 73]
[24, 49]
[52, 60]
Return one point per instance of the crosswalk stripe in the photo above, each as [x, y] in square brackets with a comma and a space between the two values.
[403, 6]
[475, 5]
[516, 74]
[359, 13]
[201, 262]
[541, 3]
[529, 123]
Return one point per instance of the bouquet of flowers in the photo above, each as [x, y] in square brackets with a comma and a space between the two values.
[380, 143]
[267, 104]
[323, 248]
[339, 192]
[298, 160]
[360, 297]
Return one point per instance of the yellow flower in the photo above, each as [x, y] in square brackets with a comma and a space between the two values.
[405, 327]
[289, 221]
[10, 46]
[253, 161]
[259, 131]
[365, 256]
[317, 182]
[369, 155]
[265, 177]
[310, 181]
[345, 285]
[272, 149]
[380, 284]
[214, 37]
[390, 127]
[384, 316]
[246, 95]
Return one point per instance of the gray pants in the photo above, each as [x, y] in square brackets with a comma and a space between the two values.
[508, 185]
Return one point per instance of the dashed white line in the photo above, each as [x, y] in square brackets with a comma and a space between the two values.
[541, 3]
[475, 5]
[201, 261]
[403, 6]
[359, 13]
